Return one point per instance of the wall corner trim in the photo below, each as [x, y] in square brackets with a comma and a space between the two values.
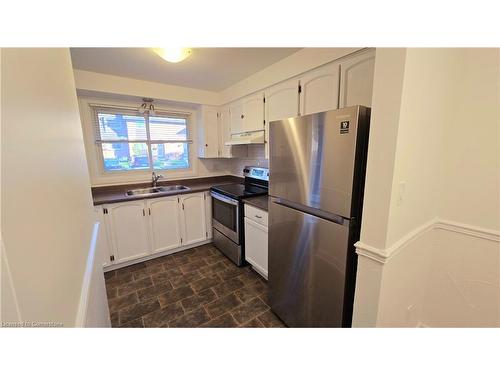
[384, 255]
[81, 317]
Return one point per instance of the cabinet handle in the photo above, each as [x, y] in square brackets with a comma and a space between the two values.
[242, 116]
[206, 144]
[258, 217]
[149, 210]
[143, 212]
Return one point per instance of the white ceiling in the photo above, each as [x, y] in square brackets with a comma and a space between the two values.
[211, 69]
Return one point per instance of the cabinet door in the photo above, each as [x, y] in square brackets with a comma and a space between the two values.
[240, 151]
[282, 101]
[320, 89]
[236, 117]
[193, 221]
[356, 80]
[164, 223]
[224, 131]
[208, 131]
[208, 214]
[107, 244]
[256, 246]
[253, 112]
[128, 229]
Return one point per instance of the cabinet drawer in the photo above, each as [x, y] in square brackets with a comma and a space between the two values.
[256, 214]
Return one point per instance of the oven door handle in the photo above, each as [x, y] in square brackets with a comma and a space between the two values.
[223, 198]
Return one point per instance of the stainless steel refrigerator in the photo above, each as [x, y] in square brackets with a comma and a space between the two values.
[316, 182]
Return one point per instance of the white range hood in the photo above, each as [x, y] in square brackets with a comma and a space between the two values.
[247, 138]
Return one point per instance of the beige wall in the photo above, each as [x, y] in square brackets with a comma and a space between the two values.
[440, 262]
[46, 202]
[471, 143]
[384, 125]
[427, 106]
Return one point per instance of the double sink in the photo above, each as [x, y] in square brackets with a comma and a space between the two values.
[157, 190]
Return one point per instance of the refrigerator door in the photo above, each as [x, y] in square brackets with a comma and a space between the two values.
[307, 267]
[312, 159]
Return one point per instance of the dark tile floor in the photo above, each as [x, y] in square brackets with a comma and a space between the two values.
[198, 287]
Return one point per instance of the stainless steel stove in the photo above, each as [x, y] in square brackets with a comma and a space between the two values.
[227, 211]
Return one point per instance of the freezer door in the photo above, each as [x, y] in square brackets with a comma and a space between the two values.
[312, 159]
[307, 267]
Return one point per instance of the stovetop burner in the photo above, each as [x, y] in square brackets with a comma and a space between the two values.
[256, 183]
[240, 191]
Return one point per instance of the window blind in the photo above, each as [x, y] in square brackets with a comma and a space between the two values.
[118, 124]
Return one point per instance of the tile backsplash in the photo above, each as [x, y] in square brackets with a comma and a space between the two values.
[255, 157]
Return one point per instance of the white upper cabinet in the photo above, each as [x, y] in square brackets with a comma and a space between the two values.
[253, 112]
[225, 136]
[282, 100]
[236, 117]
[193, 218]
[164, 225]
[127, 226]
[208, 132]
[320, 89]
[224, 131]
[356, 77]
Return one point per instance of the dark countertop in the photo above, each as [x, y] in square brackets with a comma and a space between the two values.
[117, 193]
[261, 202]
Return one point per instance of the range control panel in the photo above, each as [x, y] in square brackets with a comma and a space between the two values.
[257, 172]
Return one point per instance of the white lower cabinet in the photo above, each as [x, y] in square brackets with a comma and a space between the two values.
[208, 214]
[193, 218]
[164, 225]
[256, 239]
[128, 228]
[140, 228]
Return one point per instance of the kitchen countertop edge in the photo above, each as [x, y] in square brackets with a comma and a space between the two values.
[261, 201]
[117, 193]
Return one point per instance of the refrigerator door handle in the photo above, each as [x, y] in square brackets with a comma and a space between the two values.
[337, 219]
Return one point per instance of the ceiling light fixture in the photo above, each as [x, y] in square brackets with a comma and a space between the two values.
[173, 55]
[147, 107]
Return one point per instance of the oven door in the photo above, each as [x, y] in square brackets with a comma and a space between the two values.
[225, 216]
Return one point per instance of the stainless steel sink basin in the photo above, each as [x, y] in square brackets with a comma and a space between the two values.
[173, 188]
[157, 190]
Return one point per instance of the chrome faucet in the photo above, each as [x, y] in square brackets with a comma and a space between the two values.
[155, 178]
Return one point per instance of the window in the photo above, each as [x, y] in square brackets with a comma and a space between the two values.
[129, 141]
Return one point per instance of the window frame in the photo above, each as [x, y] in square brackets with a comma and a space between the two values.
[115, 109]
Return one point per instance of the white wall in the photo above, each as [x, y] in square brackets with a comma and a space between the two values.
[94, 83]
[46, 202]
[439, 264]
[427, 103]
[464, 280]
[471, 152]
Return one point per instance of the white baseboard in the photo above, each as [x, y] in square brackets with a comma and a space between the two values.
[153, 256]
